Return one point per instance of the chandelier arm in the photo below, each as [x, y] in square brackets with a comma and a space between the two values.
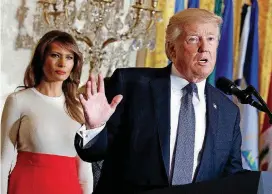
[151, 22]
[130, 30]
[47, 1]
[104, 1]
[85, 39]
[139, 7]
[45, 16]
[108, 41]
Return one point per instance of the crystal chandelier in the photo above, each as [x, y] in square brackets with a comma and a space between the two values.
[106, 34]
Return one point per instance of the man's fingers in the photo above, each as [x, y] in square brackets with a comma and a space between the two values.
[88, 91]
[82, 99]
[93, 85]
[89, 78]
[101, 87]
[115, 101]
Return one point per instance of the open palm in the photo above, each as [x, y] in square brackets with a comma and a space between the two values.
[97, 110]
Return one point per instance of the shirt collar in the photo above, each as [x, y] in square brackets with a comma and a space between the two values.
[177, 82]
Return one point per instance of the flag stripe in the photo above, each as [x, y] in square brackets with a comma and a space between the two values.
[244, 42]
[217, 11]
[252, 55]
[193, 4]
[224, 64]
[249, 115]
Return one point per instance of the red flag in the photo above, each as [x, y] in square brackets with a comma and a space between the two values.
[266, 137]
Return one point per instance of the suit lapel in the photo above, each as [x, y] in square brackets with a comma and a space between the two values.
[161, 97]
[212, 110]
[206, 158]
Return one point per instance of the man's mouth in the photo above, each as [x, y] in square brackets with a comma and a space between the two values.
[204, 60]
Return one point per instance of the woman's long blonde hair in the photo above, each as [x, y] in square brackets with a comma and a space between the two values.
[34, 72]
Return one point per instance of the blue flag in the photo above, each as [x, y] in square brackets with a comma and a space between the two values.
[218, 11]
[179, 5]
[250, 120]
[251, 70]
[224, 63]
[192, 3]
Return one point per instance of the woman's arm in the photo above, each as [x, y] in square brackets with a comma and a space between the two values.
[85, 174]
[10, 124]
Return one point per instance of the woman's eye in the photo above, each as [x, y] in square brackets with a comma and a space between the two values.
[55, 55]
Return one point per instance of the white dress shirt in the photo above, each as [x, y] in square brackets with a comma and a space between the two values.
[177, 83]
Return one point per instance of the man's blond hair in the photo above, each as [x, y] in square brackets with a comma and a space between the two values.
[180, 19]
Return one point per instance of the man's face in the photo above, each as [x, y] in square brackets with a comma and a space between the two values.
[194, 51]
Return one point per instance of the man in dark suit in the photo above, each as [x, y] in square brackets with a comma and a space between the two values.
[164, 126]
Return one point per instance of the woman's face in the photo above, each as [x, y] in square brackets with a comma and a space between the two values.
[58, 64]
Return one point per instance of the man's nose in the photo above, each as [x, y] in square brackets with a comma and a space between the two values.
[203, 46]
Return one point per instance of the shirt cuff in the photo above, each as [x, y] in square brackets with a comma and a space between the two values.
[88, 134]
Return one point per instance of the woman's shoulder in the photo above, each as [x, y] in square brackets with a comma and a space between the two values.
[20, 93]
[17, 98]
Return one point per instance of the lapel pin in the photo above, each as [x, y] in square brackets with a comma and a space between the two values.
[214, 106]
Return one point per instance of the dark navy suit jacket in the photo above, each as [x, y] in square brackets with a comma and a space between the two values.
[135, 143]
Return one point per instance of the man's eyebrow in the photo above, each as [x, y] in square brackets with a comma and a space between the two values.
[193, 34]
[198, 33]
[211, 33]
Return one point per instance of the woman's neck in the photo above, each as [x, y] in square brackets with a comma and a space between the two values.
[52, 89]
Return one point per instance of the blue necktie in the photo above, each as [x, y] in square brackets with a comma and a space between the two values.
[184, 150]
[97, 167]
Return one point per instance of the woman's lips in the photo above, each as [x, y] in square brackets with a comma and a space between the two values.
[61, 72]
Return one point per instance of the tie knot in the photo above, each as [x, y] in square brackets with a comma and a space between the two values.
[190, 88]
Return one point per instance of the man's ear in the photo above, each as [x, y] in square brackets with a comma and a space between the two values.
[172, 49]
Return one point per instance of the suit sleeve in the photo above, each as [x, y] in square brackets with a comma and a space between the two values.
[96, 149]
[10, 124]
[234, 163]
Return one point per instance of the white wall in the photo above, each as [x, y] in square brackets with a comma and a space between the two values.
[13, 62]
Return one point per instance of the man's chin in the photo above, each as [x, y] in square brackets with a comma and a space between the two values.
[200, 76]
